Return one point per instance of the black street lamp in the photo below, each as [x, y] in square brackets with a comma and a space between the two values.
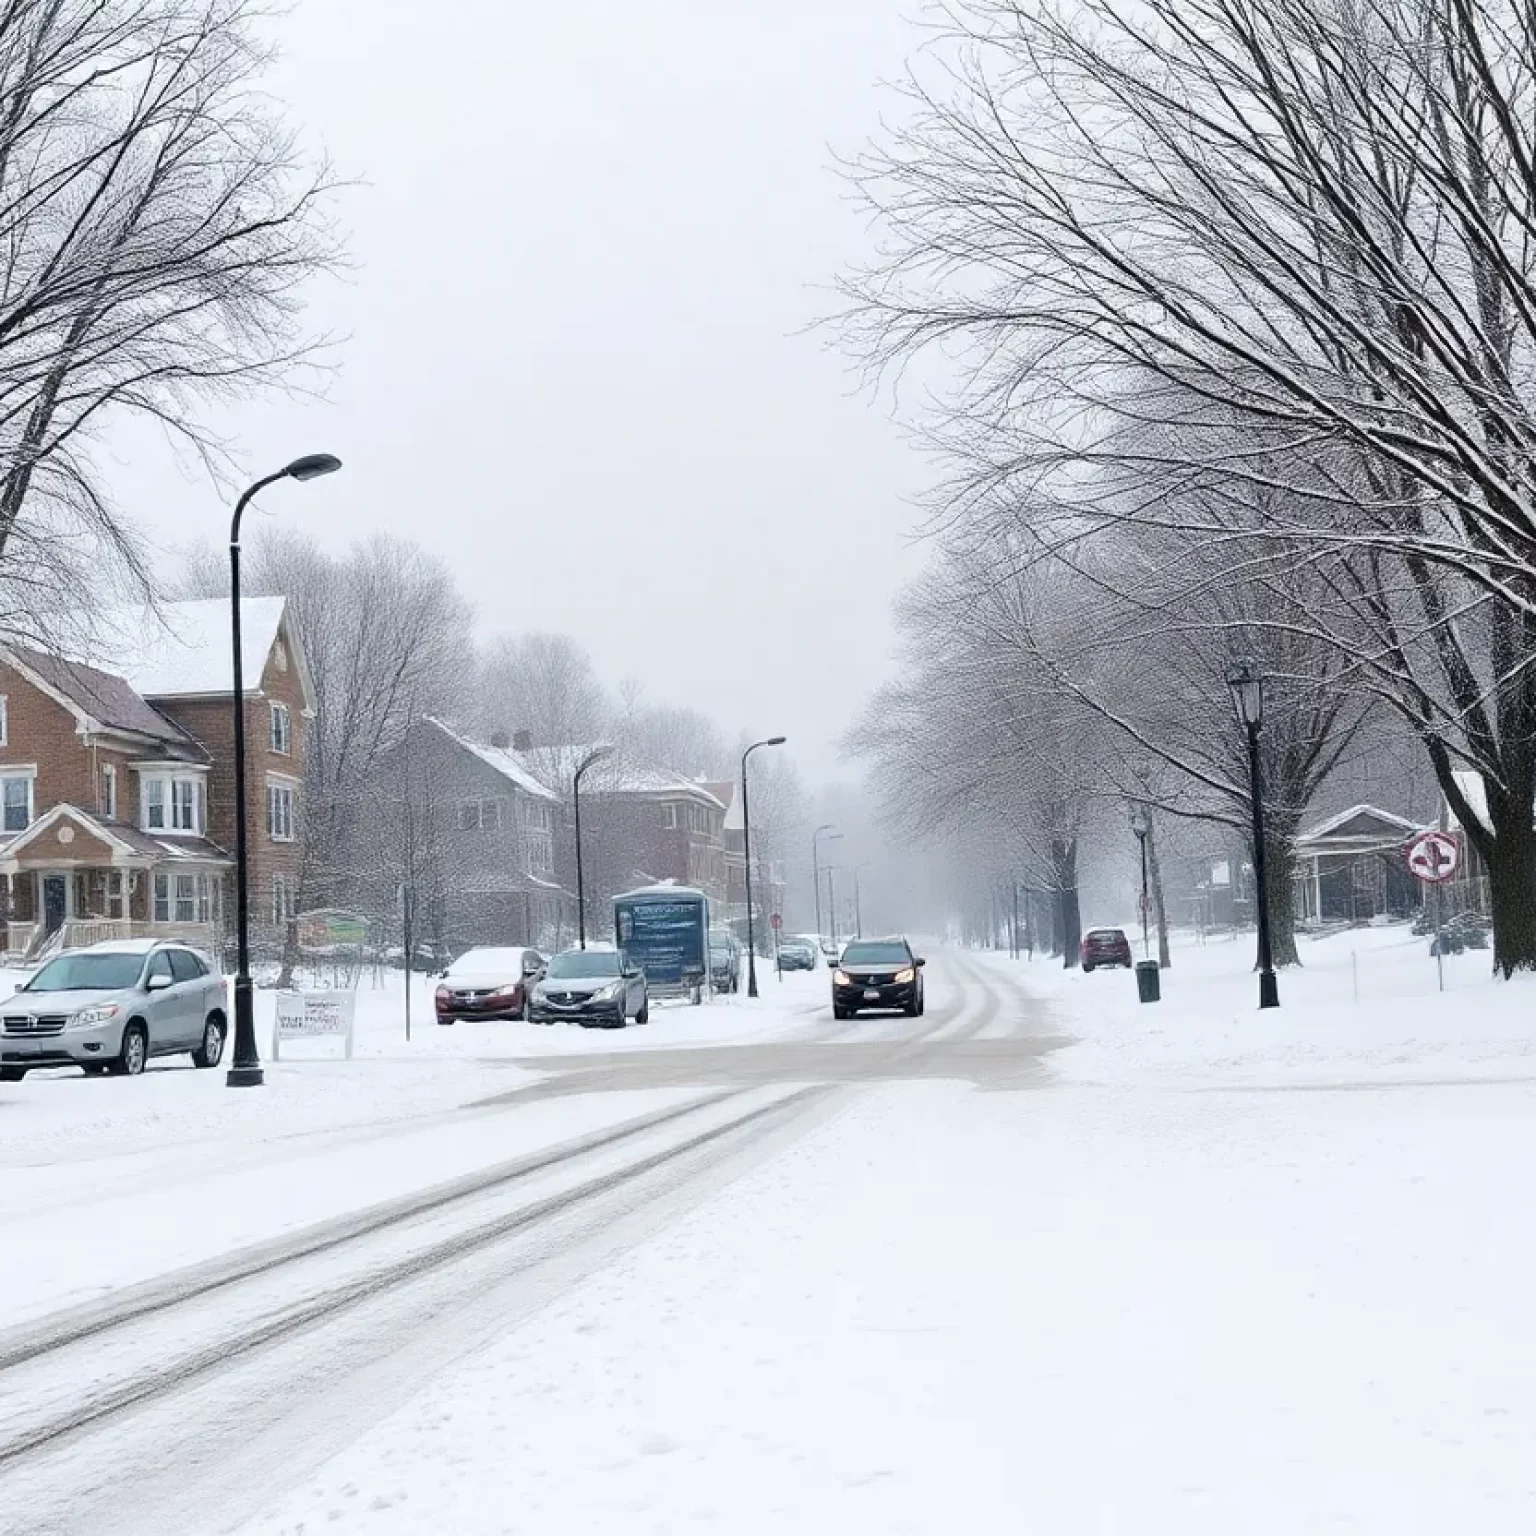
[816, 836]
[1140, 825]
[746, 848]
[596, 755]
[1246, 680]
[245, 1070]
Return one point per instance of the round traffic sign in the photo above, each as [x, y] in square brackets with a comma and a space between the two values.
[1434, 857]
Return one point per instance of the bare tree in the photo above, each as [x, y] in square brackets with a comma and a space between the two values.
[544, 684]
[157, 223]
[1317, 219]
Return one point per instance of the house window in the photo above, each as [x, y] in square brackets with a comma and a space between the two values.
[669, 816]
[281, 729]
[16, 798]
[180, 898]
[5, 721]
[480, 816]
[284, 904]
[280, 813]
[173, 804]
[184, 798]
[541, 851]
[109, 791]
[116, 895]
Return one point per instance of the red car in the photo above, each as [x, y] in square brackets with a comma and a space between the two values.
[1106, 946]
[489, 984]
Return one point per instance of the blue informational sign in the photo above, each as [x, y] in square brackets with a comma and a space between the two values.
[666, 934]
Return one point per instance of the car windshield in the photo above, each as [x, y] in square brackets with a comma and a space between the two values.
[876, 954]
[87, 973]
[590, 962]
[1108, 934]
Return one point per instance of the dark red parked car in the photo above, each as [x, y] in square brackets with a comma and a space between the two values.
[1106, 946]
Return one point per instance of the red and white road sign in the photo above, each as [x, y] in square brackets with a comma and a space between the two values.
[1434, 857]
[775, 921]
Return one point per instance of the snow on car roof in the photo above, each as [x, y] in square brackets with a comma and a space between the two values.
[487, 957]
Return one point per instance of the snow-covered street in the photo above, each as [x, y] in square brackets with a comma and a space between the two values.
[1042, 1259]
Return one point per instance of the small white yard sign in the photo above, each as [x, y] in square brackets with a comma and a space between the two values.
[313, 1015]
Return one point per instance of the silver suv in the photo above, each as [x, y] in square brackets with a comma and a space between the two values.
[110, 1007]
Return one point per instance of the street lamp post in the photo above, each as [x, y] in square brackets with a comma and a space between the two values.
[1246, 680]
[1141, 826]
[596, 755]
[245, 1070]
[832, 902]
[816, 836]
[746, 848]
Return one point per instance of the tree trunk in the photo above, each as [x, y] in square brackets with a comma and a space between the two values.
[1510, 856]
[1155, 869]
[1069, 914]
[1280, 864]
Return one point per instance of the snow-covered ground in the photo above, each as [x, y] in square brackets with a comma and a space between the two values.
[105, 1182]
[1209, 1271]
[1364, 1007]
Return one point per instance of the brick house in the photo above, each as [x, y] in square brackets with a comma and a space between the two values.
[117, 809]
[480, 854]
[643, 825]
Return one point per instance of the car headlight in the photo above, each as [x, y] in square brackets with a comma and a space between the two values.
[97, 1013]
[538, 993]
[608, 993]
[841, 979]
[901, 978]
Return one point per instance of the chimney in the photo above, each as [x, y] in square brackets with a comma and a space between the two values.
[522, 741]
[500, 739]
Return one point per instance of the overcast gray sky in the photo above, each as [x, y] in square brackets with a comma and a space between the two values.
[590, 233]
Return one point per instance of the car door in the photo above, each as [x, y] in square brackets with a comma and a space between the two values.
[634, 988]
[191, 993]
[162, 1007]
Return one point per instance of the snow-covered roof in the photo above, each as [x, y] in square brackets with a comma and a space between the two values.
[184, 650]
[505, 762]
[1391, 825]
[618, 775]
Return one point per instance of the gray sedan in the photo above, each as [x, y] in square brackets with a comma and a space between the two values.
[112, 1007]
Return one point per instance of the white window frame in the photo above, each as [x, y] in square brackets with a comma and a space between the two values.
[282, 825]
[29, 774]
[5, 720]
[174, 789]
[183, 897]
[115, 900]
[669, 816]
[284, 899]
[109, 791]
[279, 736]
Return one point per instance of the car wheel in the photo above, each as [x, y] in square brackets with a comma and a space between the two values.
[211, 1052]
[12, 1074]
[1087, 969]
[133, 1054]
[644, 1016]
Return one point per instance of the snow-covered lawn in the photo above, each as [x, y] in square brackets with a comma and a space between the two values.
[1364, 1007]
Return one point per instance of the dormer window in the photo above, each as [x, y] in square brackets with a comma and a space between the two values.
[173, 803]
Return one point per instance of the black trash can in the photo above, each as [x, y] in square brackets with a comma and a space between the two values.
[1149, 985]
